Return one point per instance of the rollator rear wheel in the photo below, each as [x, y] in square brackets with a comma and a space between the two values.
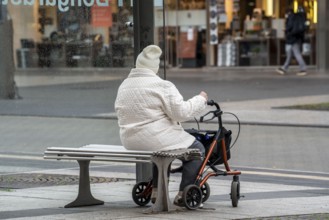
[140, 195]
[205, 189]
[235, 193]
[192, 197]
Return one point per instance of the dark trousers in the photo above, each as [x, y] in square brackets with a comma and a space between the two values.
[190, 168]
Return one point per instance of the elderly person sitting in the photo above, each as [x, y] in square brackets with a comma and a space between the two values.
[150, 110]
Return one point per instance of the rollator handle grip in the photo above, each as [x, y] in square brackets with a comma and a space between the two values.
[210, 102]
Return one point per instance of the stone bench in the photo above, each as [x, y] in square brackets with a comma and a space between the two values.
[116, 153]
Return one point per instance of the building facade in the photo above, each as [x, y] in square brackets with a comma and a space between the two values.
[99, 33]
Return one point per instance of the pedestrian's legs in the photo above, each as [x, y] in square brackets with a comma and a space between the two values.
[155, 176]
[190, 172]
[298, 56]
[288, 48]
[191, 168]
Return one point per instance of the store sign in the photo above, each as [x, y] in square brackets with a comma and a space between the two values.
[101, 16]
[187, 47]
[213, 22]
[63, 5]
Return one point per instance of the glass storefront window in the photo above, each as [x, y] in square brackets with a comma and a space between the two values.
[233, 33]
[60, 71]
[198, 33]
[78, 35]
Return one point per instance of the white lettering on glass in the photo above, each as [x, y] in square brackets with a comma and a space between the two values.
[50, 2]
[16, 2]
[28, 2]
[62, 3]
[79, 3]
[89, 4]
[102, 3]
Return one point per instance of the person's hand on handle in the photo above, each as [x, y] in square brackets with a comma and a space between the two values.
[204, 94]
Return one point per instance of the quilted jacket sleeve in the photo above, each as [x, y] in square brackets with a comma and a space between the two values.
[178, 109]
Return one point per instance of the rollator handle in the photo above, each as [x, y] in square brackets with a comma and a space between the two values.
[210, 102]
[213, 103]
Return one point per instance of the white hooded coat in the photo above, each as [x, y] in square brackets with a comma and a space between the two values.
[149, 110]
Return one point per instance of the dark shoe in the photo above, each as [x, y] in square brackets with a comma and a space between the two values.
[281, 71]
[178, 201]
[301, 73]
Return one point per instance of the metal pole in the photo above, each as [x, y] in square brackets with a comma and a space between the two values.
[7, 66]
[137, 48]
[177, 35]
[143, 36]
[164, 40]
[322, 34]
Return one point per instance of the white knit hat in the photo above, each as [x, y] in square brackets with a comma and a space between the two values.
[149, 58]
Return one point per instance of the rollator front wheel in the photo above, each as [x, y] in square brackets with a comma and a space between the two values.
[192, 197]
[141, 193]
[235, 193]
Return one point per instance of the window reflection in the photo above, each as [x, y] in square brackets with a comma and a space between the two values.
[82, 36]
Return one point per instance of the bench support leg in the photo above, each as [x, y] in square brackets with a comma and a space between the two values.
[85, 198]
[162, 202]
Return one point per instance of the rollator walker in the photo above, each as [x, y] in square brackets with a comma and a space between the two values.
[217, 144]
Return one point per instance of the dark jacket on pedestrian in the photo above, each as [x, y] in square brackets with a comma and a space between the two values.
[292, 36]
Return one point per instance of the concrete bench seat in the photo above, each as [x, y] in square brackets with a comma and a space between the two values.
[116, 153]
[113, 153]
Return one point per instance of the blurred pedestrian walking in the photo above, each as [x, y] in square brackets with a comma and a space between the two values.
[295, 31]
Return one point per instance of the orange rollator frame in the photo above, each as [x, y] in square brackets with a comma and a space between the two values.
[205, 161]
